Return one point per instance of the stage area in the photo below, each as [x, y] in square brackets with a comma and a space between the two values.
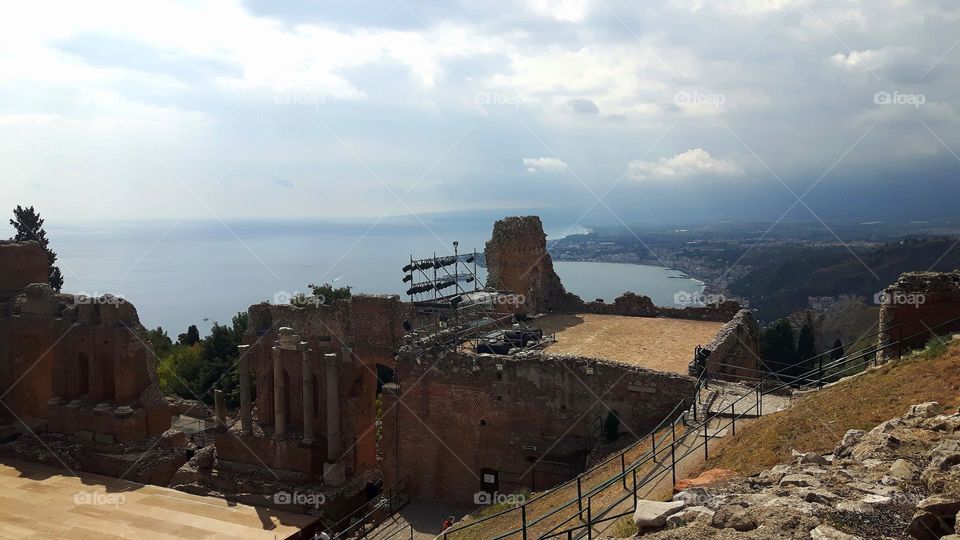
[41, 502]
[660, 344]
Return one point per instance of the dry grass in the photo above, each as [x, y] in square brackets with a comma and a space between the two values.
[661, 344]
[817, 421]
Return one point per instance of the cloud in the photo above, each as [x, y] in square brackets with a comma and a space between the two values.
[545, 164]
[692, 163]
[282, 182]
[583, 106]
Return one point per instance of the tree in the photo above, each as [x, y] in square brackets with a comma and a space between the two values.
[777, 347]
[192, 336]
[836, 352]
[29, 226]
[806, 343]
[162, 344]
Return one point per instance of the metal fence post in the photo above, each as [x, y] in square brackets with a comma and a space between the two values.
[706, 453]
[673, 462]
[523, 520]
[589, 521]
[623, 469]
[653, 444]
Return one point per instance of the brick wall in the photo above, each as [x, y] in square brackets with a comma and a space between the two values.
[455, 415]
[915, 304]
[21, 263]
[735, 351]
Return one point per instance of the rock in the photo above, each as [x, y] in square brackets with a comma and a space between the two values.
[811, 458]
[733, 516]
[927, 526]
[799, 480]
[903, 470]
[945, 455]
[826, 532]
[941, 506]
[850, 438]
[654, 514]
[876, 500]
[924, 410]
[820, 496]
[854, 506]
[689, 515]
[173, 438]
[692, 496]
[204, 458]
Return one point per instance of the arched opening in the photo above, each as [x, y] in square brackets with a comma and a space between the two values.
[83, 375]
[384, 376]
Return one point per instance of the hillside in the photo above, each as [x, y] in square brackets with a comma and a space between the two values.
[783, 286]
[816, 421]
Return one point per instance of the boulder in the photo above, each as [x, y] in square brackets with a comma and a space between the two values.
[689, 515]
[811, 458]
[733, 516]
[850, 438]
[902, 470]
[820, 496]
[692, 496]
[945, 455]
[654, 514]
[924, 410]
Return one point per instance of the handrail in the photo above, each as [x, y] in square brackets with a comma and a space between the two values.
[702, 382]
[395, 492]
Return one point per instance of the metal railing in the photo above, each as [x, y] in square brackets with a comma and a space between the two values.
[366, 518]
[663, 459]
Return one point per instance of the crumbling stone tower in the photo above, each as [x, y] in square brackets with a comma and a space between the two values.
[518, 261]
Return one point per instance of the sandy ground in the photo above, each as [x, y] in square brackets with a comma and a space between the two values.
[661, 344]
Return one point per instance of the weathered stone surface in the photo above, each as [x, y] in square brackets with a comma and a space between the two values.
[690, 515]
[811, 458]
[732, 516]
[799, 480]
[911, 321]
[654, 514]
[924, 410]
[850, 438]
[691, 496]
[903, 470]
[826, 532]
[21, 263]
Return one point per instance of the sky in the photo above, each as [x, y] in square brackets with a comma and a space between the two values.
[603, 110]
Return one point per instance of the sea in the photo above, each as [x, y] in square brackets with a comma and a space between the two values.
[179, 273]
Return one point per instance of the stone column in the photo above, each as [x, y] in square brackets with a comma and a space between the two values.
[333, 406]
[246, 418]
[220, 409]
[334, 470]
[307, 377]
[279, 415]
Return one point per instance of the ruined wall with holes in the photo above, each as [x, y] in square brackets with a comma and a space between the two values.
[916, 307]
[79, 365]
[21, 263]
[453, 415]
[371, 328]
[735, 352]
